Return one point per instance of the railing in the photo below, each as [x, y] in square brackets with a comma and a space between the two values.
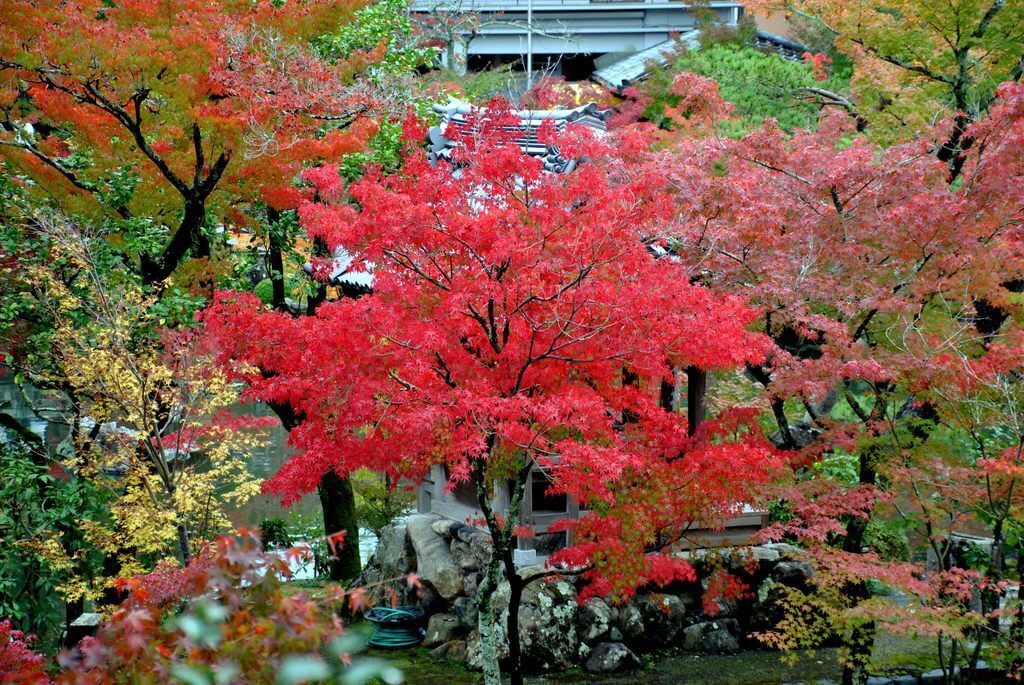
[552, 5]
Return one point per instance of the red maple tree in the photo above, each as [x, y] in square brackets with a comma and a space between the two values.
[518, 320]
[871, 272]
[159, 115]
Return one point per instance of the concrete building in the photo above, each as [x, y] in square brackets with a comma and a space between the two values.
[569, 37]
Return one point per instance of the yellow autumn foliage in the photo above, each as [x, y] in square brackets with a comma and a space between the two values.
[152, 410]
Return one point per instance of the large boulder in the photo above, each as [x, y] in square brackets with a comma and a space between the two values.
[431, 549]
[594, 620]
[547, 626]
[663, 618]
[464, 556]
[630, 624]
[793, 573]
[719, 641]
[394, 556]
[465, 608]
[712, 637]
[441, 629]
[448, 581]
[611, 657]
[454, 651]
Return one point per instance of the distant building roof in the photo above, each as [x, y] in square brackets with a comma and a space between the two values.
[786, 48]
[628, 70]
[352, 281]
[633, 68]
[356, 279]
[455, 116]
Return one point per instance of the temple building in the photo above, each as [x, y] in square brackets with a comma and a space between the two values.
[571, 38]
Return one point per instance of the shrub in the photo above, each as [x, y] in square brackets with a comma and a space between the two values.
[274, 533]
[18, 663]
[229, 616]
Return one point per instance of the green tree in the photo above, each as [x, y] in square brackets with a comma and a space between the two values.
[758, 84]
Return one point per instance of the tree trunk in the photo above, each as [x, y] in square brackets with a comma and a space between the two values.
[183, 544]
[487, 622]
[696, 391]
[188, 236]
[276, 258]
[503, 541]
[339, 504]
[515, 582]
[1017, 626]
[861, 641]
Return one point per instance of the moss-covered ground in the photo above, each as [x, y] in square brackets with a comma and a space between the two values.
[893, 654]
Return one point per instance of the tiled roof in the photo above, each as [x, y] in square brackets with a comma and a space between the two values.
[359, 280]
[455, 116]
[353, 282]
[633, 68]
[786, 48]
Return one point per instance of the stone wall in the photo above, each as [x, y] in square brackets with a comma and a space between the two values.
[556, 631]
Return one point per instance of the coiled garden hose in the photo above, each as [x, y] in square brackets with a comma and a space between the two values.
[396, 627]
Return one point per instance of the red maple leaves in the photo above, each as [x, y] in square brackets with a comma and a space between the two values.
[507, 303]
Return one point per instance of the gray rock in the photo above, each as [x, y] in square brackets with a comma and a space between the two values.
[445, 527]
[792, 573]
[762, 554]
[615, 635]
[719, 641]
[431, 549]
[471, 583]
[694, 636]
[631, 623]
[441, 629]
[463, 555]
[611, 657]
[547, 625]
[935, 676]
[448, 581]
[784, 549]
[663, 618]
[466, 609]
[467, 533]
[454, 650]
[394, 555]
[594, 621]
[457, 651]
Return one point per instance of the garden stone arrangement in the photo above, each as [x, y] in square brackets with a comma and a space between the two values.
[557, 630]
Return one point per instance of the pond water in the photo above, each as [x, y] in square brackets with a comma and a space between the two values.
[39, 413]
